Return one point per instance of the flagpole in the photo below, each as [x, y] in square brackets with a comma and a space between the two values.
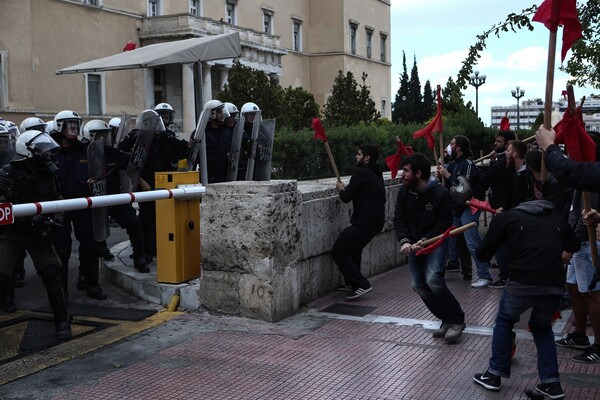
[453, 232]
[441, 153]
[332, 161]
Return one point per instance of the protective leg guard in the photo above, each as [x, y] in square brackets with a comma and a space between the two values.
[58, 303]
[92, 274]
[7, 294]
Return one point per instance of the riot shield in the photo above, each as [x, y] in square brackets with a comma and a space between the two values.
[124, 128]
[147, 124]
[197, 153]
[264, 150]
[234, 153]
[253, 146]
[97, 183]
[7, 149]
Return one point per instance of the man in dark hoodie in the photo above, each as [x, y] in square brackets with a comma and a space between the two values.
[366, 190]
[535, 237]
[424, 210]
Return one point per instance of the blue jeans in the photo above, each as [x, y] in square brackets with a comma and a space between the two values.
[510, 309]
[427, 274]
[473, 240]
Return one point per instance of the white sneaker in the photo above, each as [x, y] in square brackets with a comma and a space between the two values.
[481, 283]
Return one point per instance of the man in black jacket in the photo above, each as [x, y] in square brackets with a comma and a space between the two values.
[424, 210]
[366, 190]
[535, 237]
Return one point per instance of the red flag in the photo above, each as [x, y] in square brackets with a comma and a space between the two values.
[436, 124]
[436, 244]
[477, 205]
[393, 161]
[319, 131]
[129, 46]
[552, 13]
[571, 131]
[504, 124]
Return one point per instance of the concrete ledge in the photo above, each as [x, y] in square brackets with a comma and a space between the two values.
[120, 272]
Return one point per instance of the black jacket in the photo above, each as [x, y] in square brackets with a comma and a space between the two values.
[535, 237]
[498, 178]
[366, 190]
[422, 215]
[578, 175]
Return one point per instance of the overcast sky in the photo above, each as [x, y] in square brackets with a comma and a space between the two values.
[439, 33]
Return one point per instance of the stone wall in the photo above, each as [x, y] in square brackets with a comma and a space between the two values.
[266, 245]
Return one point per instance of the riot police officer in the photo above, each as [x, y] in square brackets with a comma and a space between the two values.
[123, 214]
[249, 112]
[218, 141]
[73, 175]
[30, 177]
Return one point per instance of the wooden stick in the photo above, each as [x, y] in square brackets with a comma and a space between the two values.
[487, 156]
[332, 161]
[453, 232]
[549, 89]
[441, 144]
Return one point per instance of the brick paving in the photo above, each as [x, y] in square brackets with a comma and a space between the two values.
[378, 356]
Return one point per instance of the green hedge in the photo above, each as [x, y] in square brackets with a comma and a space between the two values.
[297, 155]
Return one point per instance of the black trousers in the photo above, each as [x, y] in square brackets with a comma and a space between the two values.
[347, 254]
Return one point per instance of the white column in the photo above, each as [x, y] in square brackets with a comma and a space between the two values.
[187, 99]
[206, 83]
[223, 77]
[148, 88]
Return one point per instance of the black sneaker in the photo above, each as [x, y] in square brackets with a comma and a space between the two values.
[550, 390]
[499, 284]
[574, 340]
[344, 288]
[358, 292]
[452, 266]
[590, 355]
[488, 381]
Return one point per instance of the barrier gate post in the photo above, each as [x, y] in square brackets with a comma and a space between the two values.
[177, 230]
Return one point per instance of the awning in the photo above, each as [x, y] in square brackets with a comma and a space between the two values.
[187, 51]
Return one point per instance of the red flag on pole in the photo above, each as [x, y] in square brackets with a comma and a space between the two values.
[130, 46]
[393, 161]
[436, 124]
[504, 124]
[319, 130]
[552, 13]
[571, 131]
[429, 249]
[480, 205]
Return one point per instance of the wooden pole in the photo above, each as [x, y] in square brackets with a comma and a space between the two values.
[453, 232]
[549, 89]
[332, 161]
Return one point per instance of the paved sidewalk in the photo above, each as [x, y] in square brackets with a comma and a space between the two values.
[385, 354]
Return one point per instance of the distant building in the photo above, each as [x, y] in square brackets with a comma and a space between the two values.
[529, 110]
[299, 43]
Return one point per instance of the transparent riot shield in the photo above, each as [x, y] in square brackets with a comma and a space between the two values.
[197, 154]
[147, 124]
[253, 147]
[264, 150]
[97, 183]
[7, 149]
[234, 152]
[124, 128]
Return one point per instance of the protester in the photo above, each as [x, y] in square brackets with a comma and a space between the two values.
[366, 191]
[424, 210]
[535, 237]
[462, 165]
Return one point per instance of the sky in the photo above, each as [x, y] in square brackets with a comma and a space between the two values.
[440, 32]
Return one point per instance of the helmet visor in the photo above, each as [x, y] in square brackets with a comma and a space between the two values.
[43, 146]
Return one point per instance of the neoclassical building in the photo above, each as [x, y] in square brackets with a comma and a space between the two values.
[300, 43]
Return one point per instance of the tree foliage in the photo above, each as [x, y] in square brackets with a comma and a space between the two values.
[414, 98]
[349, 103]
[429, 101]
[399, 112]
[584, 63]
[292, 107]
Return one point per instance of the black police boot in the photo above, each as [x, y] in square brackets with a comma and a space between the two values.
[81, 283]
[58, 303]
[20, 270]
[136, 237]
[7, 294]
[92, 272]
[63, 273]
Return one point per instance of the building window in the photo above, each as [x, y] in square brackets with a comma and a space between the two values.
[3, 80]
[353, 28]
[94, 94]
[267, 21]
[297, 36]
[153, 8]
[230, 12]
[195, 7]
[383, 104]
[382, 47]
[369, 43]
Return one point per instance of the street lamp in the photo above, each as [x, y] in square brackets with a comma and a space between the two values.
[517, 94]
[476, 80]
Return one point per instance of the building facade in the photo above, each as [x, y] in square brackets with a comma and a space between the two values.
[529, 110]
[300, 43]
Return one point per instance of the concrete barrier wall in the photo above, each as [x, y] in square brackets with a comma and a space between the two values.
[266, 245]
